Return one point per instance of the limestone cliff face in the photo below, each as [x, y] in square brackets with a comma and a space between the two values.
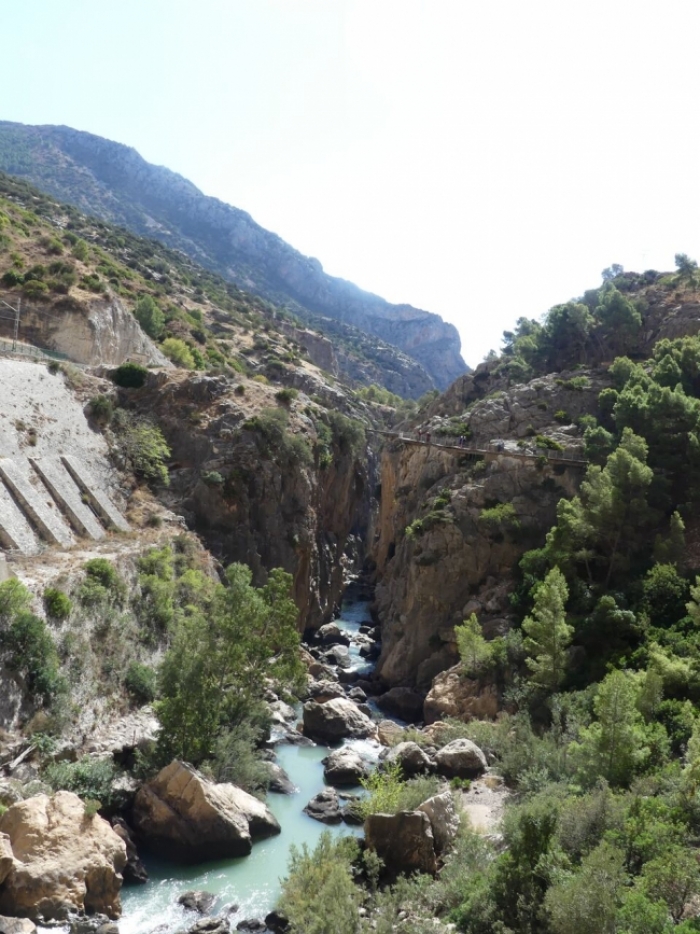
[102, 332]
[459, 558]
[264, 508]
[113, 182]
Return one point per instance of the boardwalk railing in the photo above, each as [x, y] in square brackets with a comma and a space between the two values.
[491, 451]
[17, 349]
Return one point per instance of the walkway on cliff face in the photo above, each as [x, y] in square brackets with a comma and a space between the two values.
[490, 453]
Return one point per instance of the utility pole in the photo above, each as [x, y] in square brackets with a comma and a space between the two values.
[16, 328]
[17, 312]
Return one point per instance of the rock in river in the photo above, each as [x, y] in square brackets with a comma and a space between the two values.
[344, 766]
[325, 806]
[335, 720]
[184, 816]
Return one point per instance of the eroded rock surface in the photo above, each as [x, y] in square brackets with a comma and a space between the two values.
[63, 860]
[184, 816]
[404, 841]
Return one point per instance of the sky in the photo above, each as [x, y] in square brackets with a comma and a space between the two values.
[482, 160]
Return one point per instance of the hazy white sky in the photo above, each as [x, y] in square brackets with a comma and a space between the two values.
[482, 160]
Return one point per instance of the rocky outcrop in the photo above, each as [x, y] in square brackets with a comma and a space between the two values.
[460, 759]
[102, 331]
[63, 860]
[458, 556]
[454, 695]
[404, 703]
[272, 509]
[113, 182]
[444, 819]
[184, 816]
[403, 841]
[335, 720]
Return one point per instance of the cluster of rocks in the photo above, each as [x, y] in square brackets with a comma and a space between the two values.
[202, 902]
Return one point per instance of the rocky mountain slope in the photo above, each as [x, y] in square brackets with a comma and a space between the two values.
[112, 182]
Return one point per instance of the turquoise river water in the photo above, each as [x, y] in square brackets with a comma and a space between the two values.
[251, 882]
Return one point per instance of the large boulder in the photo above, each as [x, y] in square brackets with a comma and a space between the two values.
[460, 759]
[453, 695]
[403, 841]
[389, 732]
[444, 819]
[325, 807]
[344, 766]
[63, 860]
[404, 703]
[335, 720]
[323, 691]
[332, 634]
[184, 816]
[412, 759]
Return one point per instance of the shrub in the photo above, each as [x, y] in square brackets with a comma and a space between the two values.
[499, 518]
[141, 681]
[237, 760]
[92, 283]
[12, 278]
[33, 655]
[102, 409]
[81, 250]
[389, 794]
[14, 598]
[319, 894]
[348, 433]
[542, 441]
[287, 395]
[130, 375]
[274, 440]
[212, 478]
[102, 583]
[35, 288]
[149, 316]
[144, 447]
[178, 351]
[240, 390]
[90, 778]
[57, 604]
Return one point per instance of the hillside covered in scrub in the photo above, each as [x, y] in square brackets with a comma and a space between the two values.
[405, 349]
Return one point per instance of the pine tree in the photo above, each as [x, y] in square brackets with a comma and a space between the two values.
[474, 650]
[548, 633]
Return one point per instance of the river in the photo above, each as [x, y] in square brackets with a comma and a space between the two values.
[251, 882]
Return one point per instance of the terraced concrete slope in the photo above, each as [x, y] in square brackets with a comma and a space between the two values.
[44, 499]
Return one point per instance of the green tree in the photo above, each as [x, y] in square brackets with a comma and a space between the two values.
[221, 660]
[178, 351]
[669, 549]
[604, 524]
[150, 317]
[474, 650]
[319, 895]
[614, 745]
[548, 633]
[587, 901]
[687, 267]
[672, 877]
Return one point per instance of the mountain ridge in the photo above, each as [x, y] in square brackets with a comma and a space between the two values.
[112, 181]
